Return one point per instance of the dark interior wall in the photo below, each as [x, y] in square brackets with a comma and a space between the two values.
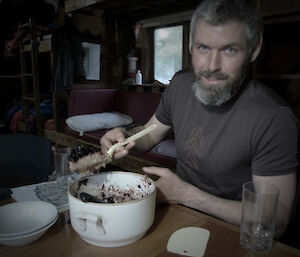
[279, 62]
[10, 95]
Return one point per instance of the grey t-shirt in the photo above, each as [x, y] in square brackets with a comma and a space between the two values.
[219, 148]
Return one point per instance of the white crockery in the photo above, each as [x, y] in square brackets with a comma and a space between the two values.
[117, 224]
[25, 217]
[27, 238]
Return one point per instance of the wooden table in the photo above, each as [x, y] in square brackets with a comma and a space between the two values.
[62, 241]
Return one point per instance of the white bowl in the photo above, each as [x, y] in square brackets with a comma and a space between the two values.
[113, 224]
[27, 238]
[25, 217]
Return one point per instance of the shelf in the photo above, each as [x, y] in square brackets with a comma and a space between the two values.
[44, 46]
[133, 10]
[281, 19]
[72, 5]
[17, 76]
[156, 88]
[29, 98]
[22, 126]
[278, 76]
[279, 7]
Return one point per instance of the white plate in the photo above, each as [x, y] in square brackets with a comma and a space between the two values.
[21, 218]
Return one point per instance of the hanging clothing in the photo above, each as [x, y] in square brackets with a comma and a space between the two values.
[68, 58]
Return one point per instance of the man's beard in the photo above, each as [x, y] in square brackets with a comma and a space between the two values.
[217, 95]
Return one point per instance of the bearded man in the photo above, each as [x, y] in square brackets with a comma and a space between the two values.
[228, 129]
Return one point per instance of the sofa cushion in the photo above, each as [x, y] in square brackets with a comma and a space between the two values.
[165, 147]
[164, 160]
[97, 121]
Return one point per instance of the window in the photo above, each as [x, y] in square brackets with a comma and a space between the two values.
[168, 52]
[164, 48]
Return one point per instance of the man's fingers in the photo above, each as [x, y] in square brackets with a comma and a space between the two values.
[120, 137]
[111, 137]
[123, 150]
[130, 145]
[105, 143]
[120, 153]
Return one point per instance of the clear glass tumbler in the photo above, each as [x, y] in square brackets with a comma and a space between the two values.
[61, 157]
[259, 208]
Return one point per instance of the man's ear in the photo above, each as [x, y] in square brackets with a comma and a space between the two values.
[256, 49]
[190, 43]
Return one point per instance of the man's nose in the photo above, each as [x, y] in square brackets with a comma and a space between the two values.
[214, 61]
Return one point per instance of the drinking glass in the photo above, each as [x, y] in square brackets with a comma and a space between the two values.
[61, 157]
[259, 207]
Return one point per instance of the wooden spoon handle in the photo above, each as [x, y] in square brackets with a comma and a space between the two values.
[134, 137]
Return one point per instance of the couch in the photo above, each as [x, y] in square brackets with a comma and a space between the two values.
[140, 106]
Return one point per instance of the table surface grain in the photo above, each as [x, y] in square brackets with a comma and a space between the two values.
[62, 241]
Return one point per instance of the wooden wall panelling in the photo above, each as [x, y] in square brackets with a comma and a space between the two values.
[278, 65]
[125, 43]
[279, 7]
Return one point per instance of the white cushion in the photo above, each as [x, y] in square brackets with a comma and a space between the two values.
[165, 147]
[95, 121]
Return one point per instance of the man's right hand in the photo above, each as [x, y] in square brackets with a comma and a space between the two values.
[111, 137]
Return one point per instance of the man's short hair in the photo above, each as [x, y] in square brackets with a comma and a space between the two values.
[217, 12]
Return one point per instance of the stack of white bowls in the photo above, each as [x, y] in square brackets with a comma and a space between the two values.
[21, 223]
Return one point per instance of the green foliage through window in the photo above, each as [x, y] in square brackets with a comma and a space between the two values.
[167, 52]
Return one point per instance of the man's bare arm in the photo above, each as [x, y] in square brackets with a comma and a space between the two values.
[287, 187]
[174, 190]
[151, 139]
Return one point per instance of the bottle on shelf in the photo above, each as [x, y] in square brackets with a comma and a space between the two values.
[138, 78]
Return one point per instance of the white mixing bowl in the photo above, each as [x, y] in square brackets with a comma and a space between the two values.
[113, 224]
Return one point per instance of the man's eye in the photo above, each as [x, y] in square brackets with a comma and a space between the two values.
[202, 47]
[231, 50]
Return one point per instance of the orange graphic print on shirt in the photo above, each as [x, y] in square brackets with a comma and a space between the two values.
[194, 146]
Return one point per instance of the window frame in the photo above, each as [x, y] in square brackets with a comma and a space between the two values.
[147, 44]
[154, 50]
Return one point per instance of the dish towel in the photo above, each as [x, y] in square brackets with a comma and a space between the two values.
[51, 191]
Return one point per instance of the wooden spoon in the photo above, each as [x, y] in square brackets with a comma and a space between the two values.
[110, 152]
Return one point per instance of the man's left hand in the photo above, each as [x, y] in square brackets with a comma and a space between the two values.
[170, 187]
